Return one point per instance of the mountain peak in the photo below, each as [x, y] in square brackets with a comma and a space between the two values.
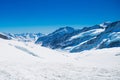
[105, 24]
[64, 30]
[104, 35]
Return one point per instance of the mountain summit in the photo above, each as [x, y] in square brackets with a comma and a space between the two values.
[104, 35]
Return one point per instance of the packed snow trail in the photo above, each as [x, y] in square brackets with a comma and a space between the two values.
[28, 61]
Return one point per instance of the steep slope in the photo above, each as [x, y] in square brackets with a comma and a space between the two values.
[67, 38]
[107, 39]
[21, 61]
[3, 36]
[54, 40]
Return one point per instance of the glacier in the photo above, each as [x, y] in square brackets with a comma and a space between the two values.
[19, 64]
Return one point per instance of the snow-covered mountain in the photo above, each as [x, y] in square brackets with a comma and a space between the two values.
[54, 40]
[67, 36]
[28, 61]
[105, 35]
[110, 37]
[76, 40]
[25, 37]
[3, 36]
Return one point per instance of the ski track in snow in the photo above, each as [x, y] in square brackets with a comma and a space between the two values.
[19, 64]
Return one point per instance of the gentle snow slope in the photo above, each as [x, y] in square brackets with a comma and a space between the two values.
[27, 61]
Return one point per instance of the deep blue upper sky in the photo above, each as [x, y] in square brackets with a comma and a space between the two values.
[46, 15]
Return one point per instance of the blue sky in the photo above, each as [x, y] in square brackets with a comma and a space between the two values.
[44, 16]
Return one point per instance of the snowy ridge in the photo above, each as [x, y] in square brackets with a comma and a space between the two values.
[24, 37]
[3, 36]
[105, 24]
[22, 59]
[77, 40]
[107, 39]
[90, 32]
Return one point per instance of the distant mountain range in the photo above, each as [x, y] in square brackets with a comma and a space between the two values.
[105, 35]
[3, 36]
[24, 37]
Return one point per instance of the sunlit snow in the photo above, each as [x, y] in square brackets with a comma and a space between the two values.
[28, 61]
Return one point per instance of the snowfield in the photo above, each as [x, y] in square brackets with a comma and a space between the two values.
[27, 61]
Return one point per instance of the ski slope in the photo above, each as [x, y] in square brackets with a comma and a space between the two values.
[27, 61]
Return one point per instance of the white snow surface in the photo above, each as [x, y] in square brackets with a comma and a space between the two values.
[90, 32]
[27, 61]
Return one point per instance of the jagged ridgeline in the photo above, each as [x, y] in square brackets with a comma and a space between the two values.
[105, 35]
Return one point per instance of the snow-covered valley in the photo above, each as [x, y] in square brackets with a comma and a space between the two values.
[28, 61]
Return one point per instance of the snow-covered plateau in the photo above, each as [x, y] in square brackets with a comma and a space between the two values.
[29, 61]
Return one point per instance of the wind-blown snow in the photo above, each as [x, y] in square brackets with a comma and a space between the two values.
[115, 36]
[90, 32]
[27, 61]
